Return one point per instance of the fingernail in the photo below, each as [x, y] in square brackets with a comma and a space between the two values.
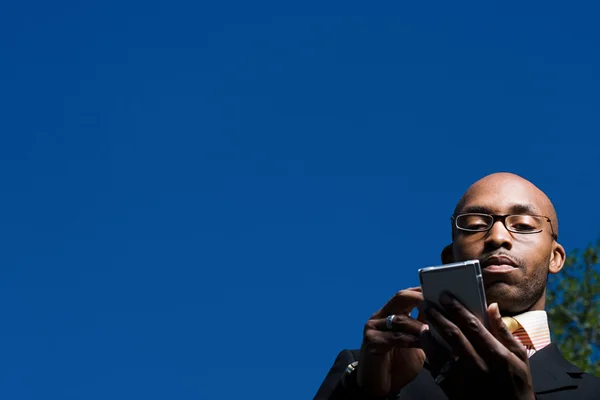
[497, 311]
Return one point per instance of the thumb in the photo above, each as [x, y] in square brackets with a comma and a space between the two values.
[497, 327]
[501, 332]
[421, 313]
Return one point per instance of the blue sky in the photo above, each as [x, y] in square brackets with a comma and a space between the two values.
[208, 199]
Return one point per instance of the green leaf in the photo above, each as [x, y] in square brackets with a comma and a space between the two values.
[572, 301]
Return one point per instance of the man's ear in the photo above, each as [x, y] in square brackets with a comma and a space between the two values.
[447, 254]
[557, 261]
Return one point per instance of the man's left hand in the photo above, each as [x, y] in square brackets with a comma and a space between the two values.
[489, 364]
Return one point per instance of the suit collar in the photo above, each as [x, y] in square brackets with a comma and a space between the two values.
[550, 371]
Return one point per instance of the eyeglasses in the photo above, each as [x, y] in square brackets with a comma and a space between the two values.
[526, 224]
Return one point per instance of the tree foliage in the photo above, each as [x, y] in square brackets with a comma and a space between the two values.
[573, 308]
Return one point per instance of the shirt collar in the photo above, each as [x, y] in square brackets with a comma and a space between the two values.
[535, 324]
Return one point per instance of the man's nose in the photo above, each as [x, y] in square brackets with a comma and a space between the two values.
[498, 236]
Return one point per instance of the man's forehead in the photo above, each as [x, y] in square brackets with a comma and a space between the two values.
[504, 196]
[500, 206]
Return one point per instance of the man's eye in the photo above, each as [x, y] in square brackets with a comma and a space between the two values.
[476, 226]
[523, 227]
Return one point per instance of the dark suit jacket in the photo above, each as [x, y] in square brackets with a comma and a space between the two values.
[554, 378]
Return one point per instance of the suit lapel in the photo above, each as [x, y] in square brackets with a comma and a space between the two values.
[550, 371]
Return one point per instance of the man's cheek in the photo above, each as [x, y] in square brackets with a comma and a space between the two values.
[466, 254]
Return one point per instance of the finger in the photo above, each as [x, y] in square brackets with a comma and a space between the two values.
[378, 342]
[394, 339]
[482, 340]
[400, 323]
[403, 302]
[501, 332]
[405, 333]
[421, 312]
[428, 344]
[437, 355]
[452, 335]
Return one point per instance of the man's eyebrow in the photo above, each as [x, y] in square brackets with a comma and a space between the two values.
[476, 209]
[524, 209]
[515, 209]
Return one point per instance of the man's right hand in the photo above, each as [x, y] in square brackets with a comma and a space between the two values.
[390, 359]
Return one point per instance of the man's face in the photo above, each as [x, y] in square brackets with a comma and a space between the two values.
[520, 288]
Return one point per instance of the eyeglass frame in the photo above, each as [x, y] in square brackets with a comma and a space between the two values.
[502, 218]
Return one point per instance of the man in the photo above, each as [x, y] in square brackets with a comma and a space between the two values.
[511, 227]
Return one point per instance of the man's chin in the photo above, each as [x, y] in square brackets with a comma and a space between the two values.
[501, 293]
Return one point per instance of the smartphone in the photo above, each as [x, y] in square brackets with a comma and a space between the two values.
[463, 280]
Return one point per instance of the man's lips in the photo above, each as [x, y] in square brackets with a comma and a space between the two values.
[498, 264]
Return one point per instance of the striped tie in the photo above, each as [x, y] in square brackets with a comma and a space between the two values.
[519, 334]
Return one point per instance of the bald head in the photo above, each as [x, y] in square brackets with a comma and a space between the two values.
[510, 187]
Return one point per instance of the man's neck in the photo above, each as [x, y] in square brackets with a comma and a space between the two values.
[539, 305]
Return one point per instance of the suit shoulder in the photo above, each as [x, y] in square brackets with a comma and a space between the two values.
[336, 372]
[588, 384]
[345, 357]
